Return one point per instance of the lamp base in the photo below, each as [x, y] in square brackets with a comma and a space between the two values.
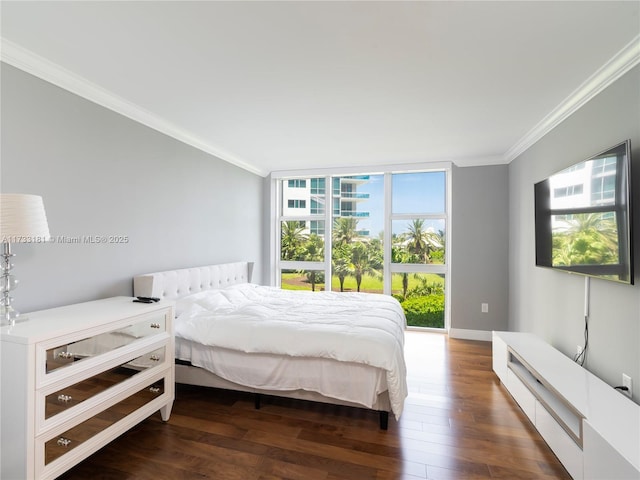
[8, 316]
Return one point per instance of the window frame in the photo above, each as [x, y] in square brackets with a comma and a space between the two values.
[276, 265]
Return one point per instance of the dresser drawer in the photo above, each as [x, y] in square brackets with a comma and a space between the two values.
[57, 359]
[69, 354]
[73, 441]
[65, 399]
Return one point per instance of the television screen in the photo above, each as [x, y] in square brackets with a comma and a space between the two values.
[583, 217]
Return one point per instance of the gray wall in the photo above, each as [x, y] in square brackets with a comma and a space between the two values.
[480, 246]
[103, 174]
[551, 303]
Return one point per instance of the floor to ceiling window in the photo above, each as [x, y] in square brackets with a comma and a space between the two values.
[382, 232]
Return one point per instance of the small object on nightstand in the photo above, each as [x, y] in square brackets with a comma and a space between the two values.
[147, 299]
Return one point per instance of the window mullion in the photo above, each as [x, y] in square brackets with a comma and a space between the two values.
[387, 235]
[276, 234]
[328, 232]
[418, 268]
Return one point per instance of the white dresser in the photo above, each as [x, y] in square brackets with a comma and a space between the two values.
[76, 377]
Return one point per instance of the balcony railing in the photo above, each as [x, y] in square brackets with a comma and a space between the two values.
[356, 195]
[356, 177]
[354, 214]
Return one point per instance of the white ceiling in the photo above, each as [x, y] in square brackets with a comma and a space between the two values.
[276, 86]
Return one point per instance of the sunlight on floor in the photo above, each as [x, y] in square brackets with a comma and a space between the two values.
[427, 368]
[420, 346]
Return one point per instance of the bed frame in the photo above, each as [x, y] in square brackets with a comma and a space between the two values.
[175, 284]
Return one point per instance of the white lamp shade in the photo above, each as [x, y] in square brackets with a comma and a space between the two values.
[22, 218]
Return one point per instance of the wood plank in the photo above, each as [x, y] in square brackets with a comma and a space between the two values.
[459, 422]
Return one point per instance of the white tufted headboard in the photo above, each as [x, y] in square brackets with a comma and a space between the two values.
[174, 284]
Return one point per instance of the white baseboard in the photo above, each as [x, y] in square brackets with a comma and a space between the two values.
[464, 334]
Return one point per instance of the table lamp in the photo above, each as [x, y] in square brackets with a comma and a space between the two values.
[22, 220]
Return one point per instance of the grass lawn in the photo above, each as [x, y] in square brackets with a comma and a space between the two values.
[297, 281]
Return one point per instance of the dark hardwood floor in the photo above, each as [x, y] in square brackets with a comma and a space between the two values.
[458, 423]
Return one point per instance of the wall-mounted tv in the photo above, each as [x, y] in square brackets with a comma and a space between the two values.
[583, 217]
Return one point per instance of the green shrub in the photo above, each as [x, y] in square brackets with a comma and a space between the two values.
[425, 311]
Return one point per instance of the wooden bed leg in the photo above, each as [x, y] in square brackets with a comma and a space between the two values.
[384, 420]
[256, 401]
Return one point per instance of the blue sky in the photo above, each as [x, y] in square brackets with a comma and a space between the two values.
[412, 193]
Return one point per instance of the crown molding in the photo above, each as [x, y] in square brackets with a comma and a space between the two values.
[25, 60]
[29, 62]
[479, 161]
[616, 67]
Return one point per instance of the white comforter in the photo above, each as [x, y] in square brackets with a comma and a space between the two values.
[351, 327]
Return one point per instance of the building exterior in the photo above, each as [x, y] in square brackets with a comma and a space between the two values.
[587, 184]
[302, 197]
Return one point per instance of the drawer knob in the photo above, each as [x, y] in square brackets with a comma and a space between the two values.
[63, 442]
[65, 355]
[154, 389]
[64, 398]
[154, 358]
[155, 325]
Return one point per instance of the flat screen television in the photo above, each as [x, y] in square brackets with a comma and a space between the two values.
[583, 217]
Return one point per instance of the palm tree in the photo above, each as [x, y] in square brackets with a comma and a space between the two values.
[342, 263]
[437, 254]
[588, 239]
[420, 241]
[313, 252]
[291, 239]
[360, 262]
[345, 230]
[400, 255]
[376, 253]
[595, 222]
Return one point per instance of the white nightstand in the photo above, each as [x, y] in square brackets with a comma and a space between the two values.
[76, 377]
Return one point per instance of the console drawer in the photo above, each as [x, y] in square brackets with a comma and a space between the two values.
[522, 395]
[565, 448]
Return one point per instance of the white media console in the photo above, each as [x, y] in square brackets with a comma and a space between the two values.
[592, 428]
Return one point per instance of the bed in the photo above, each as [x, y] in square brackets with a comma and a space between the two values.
[338, 348]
